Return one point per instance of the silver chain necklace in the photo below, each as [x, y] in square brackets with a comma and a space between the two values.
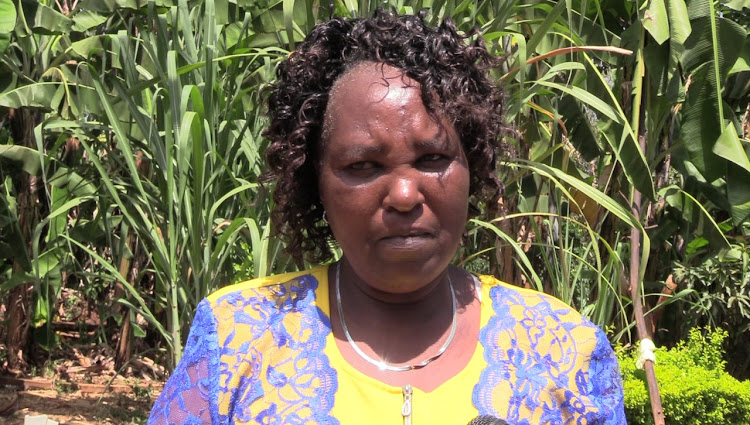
[381, 364]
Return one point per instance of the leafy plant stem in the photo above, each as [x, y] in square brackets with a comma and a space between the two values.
[637, 266]
[566, 51]
[715, 51]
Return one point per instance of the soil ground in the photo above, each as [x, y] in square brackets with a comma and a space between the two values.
[78, 408]
[79, 385]
[77, 382]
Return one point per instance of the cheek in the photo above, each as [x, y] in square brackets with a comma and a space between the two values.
[459, 182]
[346, 207]
[327, 191]
[458, 196]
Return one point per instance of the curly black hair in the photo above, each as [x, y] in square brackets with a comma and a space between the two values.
[452, 70]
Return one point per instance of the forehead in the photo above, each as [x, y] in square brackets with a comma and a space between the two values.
[370, 76]
[367, 88]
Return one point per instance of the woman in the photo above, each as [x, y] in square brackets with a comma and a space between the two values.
[382, 131]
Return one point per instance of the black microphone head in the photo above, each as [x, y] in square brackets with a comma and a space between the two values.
[487, 420]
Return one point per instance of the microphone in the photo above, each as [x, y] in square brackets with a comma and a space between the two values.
[487, 420]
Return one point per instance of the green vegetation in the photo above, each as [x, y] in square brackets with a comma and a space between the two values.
[130, 148]
[695, 388]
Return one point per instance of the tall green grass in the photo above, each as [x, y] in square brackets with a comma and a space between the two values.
[149, 147]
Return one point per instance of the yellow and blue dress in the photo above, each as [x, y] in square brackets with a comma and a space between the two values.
[262, 352]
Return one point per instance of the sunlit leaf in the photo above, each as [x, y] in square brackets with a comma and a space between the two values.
[38, 95]
[25, 158]
[679, 21]
[87, 19]
[729, 146]
[743, 61]
[90, 46]
[7, 22]
[43, 19]
[738, 5]
[653, 15]
[109, 6]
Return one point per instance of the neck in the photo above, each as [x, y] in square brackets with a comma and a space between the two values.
[429, 298]
[380, 323]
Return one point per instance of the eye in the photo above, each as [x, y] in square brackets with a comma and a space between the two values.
[363, 165]
[432, 157]
[433, 161]
[363, 169]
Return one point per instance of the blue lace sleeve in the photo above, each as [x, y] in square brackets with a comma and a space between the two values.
[190, 395]
[604, 385]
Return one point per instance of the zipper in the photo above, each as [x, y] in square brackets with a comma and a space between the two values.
[406, 408]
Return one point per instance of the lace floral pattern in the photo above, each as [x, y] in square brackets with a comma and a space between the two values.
[190, 394]
[260, 354]
[257, 355]
[551, 365]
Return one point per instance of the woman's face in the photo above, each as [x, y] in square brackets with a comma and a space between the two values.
[393, 180]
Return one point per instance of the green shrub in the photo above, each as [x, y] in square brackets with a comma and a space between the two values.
[695, 388]
[721, 294]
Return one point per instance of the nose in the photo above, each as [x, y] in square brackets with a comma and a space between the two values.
[404, 193]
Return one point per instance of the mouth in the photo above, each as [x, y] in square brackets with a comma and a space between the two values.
[416, 244]
[413, 239]
[410, 234]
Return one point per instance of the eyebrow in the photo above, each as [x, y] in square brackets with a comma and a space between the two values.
[436, 143]
[360, 150]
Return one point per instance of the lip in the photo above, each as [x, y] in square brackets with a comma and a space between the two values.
[411, 248]
[408, 238]
[412, 240]
[413, 233]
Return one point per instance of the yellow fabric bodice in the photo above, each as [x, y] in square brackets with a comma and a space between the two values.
[275, 359]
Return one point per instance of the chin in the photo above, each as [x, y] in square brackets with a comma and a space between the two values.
[410, 273]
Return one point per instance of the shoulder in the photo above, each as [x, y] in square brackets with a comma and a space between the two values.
[530, 311]
[500, 291]
[257, 302]
[255, 309]
[548, 355]
[269, 286]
